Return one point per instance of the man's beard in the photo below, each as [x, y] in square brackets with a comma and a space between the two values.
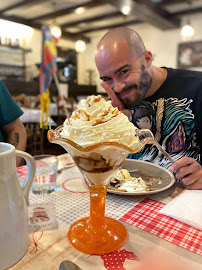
[144, 85]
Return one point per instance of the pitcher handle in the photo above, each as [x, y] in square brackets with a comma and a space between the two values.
[31, 169]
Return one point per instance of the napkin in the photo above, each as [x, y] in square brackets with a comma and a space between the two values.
[42, 216]
[187, 208]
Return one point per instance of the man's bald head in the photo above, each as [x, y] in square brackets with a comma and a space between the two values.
[126, 35]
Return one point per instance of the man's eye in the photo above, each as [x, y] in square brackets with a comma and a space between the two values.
[106, 79]
[123, 71]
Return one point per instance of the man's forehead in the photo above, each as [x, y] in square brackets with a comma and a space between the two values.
[115, 48]
[112, 43]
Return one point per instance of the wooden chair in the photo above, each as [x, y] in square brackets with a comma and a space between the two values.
[35, 139]
[34, 102]
[35, 135]
[21, 100]
[69, 103]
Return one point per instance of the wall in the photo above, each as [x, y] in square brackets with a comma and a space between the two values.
[162, 44]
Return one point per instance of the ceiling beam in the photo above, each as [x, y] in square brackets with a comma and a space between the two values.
[66, 11]
[14, 19]
[65, 34]
[186, 12]
[93, 19]
[171, 2]
[75, 36]
[109, 26]
[20, 4]
[145, 13]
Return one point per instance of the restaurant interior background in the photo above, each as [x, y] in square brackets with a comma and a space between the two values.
[159, 23]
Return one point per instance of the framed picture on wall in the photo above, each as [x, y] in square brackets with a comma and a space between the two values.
[189, 54]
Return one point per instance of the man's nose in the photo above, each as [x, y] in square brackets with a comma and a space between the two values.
[118, 86]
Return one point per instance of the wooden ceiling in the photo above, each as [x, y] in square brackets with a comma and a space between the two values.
[98, 14]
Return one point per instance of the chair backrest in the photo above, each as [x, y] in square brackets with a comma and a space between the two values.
[35, 139]
[21, 100]
[34, 102]
[35, 135]
[69, 104]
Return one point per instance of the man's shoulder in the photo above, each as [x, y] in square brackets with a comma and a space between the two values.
[179, 84]
[184, 73]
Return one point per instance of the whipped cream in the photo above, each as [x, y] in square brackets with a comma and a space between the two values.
[123, 181]
[96, 121]
[135, 184]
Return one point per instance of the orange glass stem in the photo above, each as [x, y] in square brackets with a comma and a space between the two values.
[97, 234]
[97, 208]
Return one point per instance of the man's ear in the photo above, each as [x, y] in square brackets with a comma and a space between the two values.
[148, 58]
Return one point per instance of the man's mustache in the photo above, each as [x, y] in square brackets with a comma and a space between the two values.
[134, 86]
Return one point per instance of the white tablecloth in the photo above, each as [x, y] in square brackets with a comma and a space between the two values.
[33, 116]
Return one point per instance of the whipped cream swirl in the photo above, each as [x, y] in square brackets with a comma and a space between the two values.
[95, 121]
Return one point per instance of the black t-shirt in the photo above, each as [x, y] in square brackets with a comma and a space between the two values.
[174, 115]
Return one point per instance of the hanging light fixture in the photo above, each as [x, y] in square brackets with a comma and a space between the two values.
[80, 10]
[55, 30]
[126, 6]
[126, 10]
[187, 31]
[80, 46]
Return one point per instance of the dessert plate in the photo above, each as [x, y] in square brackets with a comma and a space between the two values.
[164, 179]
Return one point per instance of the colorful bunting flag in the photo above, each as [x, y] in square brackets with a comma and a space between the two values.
[48, 66]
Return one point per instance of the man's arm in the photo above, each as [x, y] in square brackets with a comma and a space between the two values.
[16, 135]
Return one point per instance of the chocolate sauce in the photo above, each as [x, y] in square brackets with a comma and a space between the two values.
[95, 163]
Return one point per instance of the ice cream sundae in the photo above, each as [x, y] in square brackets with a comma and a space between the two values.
[95, 122]
[99, 138]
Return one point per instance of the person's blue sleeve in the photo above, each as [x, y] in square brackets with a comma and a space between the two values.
[9, 110]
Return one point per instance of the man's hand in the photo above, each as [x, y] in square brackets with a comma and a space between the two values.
[189, 171]
[116, 102]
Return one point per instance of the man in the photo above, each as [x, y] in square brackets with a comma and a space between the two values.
[12, 129]
[175, 96]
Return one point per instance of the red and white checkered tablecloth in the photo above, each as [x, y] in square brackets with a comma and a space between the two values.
[145, 216]
[22, 171]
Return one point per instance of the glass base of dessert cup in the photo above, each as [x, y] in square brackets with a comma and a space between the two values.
[97, 240]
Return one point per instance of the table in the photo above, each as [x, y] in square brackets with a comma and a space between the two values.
[33, 116]
[54, 109]
[53, 246]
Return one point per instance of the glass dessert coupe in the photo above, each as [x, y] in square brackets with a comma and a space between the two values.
[98, 234]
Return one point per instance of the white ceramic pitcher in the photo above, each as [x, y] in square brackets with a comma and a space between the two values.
[14, 240]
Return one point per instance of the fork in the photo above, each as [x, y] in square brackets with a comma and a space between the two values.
[163, 151]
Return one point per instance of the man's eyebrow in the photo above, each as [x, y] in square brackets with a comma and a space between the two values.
[121, 68]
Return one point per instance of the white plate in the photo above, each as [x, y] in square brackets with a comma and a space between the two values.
[166, 178]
